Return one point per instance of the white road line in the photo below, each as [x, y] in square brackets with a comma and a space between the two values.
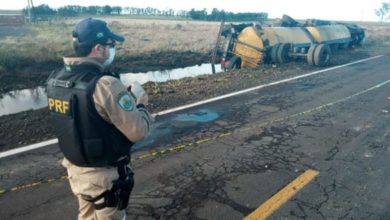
[261, 86]
[28, 148]
[54, 141]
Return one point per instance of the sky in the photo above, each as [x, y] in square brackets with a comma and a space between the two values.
[352, 10]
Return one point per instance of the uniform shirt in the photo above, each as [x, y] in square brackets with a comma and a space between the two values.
[134, 123]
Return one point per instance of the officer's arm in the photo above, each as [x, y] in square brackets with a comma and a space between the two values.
[117, 106]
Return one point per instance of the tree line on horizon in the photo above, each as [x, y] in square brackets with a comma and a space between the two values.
[44, 12]
[383, 11]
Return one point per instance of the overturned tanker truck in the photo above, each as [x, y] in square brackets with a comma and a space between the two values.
[248, 45]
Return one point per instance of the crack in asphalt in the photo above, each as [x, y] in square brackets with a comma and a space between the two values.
[188, 189]
[332, 152]
[272, 145]
[36, 206]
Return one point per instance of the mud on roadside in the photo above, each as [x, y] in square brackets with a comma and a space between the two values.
[36, 74]
[33, 126]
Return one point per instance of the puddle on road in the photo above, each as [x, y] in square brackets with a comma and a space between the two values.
[192, 119]
[200, 116]
[176, 125]
[22, 100]
[165, 75]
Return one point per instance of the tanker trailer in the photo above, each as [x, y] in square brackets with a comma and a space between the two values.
[249, 46]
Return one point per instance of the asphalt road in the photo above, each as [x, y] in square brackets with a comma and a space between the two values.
[223, 160]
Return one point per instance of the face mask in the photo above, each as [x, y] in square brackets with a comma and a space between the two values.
[111, 57]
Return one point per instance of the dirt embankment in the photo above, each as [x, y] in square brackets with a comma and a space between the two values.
[36, 73]
[33, 126]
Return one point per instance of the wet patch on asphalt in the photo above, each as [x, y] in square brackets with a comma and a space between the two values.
[183, 194]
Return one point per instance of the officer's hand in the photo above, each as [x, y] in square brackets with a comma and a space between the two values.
[143, 99]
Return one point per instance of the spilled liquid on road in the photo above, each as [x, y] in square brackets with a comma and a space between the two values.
[200, 116]
[177, 125]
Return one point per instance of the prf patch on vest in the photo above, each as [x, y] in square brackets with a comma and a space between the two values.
[58, 106]
[126, 102]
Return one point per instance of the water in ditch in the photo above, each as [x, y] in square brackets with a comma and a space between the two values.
[22, 100]
[165, 75]
[26, 99]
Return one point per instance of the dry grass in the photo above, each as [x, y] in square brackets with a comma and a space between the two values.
[35, 44]
[377, 33]
[49, 42]
[161, 35]
[31, 44]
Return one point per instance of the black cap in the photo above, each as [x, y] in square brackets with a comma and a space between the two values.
[94, 31]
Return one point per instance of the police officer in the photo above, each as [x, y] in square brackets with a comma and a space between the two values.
[96, 120]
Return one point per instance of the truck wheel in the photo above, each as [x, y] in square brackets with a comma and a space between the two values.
[274, 53]
[322, 55]
[310, 54]
[234, 63]
[283, 51]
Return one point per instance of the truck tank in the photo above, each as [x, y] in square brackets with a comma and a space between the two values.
[330, 34]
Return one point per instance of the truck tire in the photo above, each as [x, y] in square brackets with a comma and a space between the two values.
[274, 53]
[310, 54]
[283, 55]
[234, 63]
[322, 55]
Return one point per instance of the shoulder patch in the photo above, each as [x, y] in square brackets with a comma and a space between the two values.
[126, 102]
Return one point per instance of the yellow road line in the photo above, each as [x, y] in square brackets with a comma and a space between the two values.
[181, 147]
[277, 200]
[309, 111]
[30, 185]
[223, 135]
[203, 141]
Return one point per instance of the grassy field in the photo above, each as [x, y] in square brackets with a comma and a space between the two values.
[377, 33]
[40, 44]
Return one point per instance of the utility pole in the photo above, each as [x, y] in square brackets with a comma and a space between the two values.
[29, 11]
[30, 6]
